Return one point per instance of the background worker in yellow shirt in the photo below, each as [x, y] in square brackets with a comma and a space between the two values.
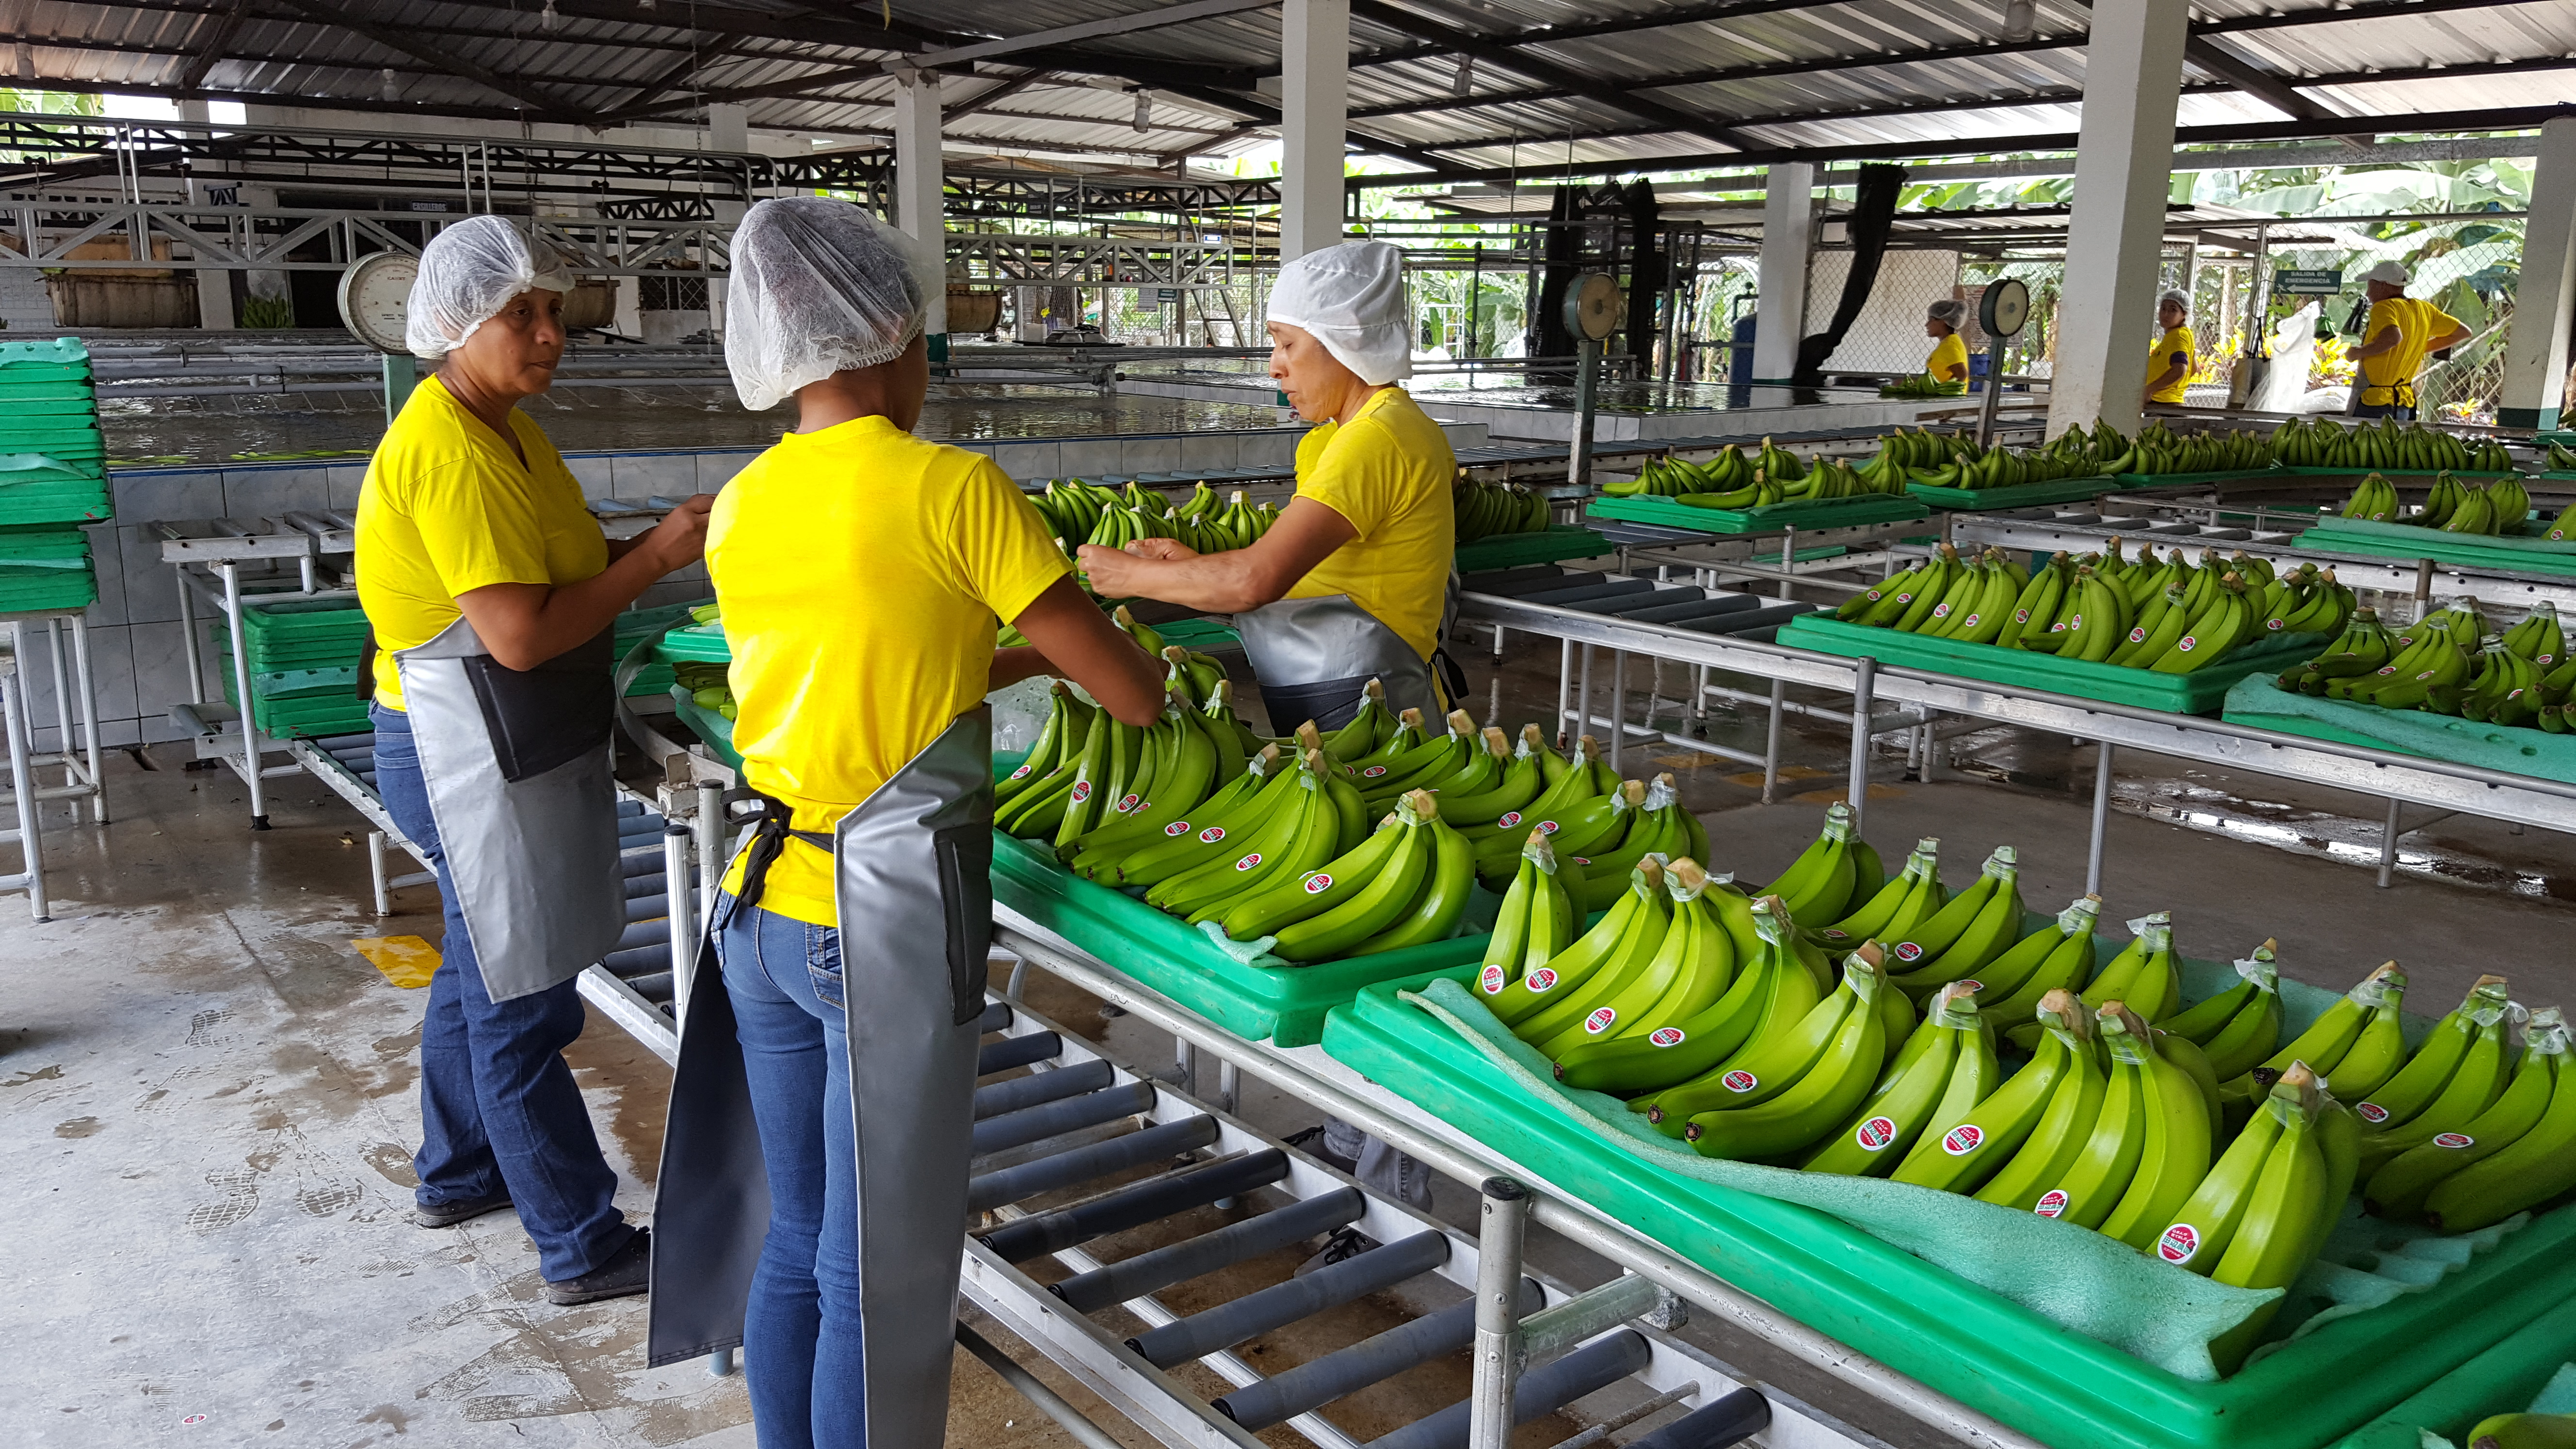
[491, 600]
[2398, 335]
[822, 1111]
[1949, 360]
[2169, 361]
[1354, 582]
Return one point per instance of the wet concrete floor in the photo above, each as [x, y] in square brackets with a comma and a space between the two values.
[208, 1096]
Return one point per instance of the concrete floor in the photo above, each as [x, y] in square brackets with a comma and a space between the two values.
[210, 1113]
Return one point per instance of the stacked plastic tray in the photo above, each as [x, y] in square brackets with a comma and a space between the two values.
[53, 475]
[303, 656]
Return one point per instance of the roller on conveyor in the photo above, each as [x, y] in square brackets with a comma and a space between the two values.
[1083, 1164]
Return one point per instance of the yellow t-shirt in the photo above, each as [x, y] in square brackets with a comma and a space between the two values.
[1949, 352]
[861, 573]
[2161, 356]
[1387, 473]
[446, 508]
[2417, 324]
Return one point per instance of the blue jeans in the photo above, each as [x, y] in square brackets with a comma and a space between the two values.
[498, 1105]
[801, 1352]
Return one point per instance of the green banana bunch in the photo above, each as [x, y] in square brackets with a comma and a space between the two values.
[1523, 780]
[1537, 919]
[1771, 993]
[2174, 1153]
[1484, 510]
[2538, 637]
[2362, 648]
[2374, 498]
[1281, 836]
[1585, 778]
[1945, 1068]
[1964, 1145]
[2238, 1027]
[1930, 962]
[2483, 1074]
[2524, 1173]
[2323, 1045]
[2404, 1096]
[1819, 885]
[2018, 982]
[2400, 1186]
[1896, 907]
[1662, 828]
[1812, 1095]
[1690, 970]
[1374, 881]
[1529, 1005]
[2291, 1206]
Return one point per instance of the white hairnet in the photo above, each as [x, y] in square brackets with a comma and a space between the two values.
[2178, 298]
[1351, 297]
[1951, 310]
[468, 273]
[2393, 273]
[819, 286]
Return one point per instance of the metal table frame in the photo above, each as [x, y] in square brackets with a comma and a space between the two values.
[79, 763]
[30, 875]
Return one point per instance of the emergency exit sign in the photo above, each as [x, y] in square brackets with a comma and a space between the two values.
[2292, 282]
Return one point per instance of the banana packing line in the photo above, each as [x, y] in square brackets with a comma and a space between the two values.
[1080, 1114]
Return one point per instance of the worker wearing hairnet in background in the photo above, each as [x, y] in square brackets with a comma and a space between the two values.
[491, 599]
[2399, 333]
[2169, 361]
[822, 1112]
[1355, 581]
[1949, 360]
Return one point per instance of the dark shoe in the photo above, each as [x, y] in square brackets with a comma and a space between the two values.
[622, 1276]
[1344, 1244]
[449, 1214]
[1311, 1142]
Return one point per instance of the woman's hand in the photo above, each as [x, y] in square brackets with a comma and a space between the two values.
[680, 539]
[1113, 572]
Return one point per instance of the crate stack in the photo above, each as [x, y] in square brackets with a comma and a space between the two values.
[303, 666]
[53, 476]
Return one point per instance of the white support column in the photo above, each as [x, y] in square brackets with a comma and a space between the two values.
[2535, 348]
[2123, 170]
[1788, 245]
[1314, 105]
[919, 179]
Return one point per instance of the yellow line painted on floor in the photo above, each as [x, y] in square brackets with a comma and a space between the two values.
[406, 961]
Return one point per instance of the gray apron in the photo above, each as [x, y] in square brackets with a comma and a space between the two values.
[912, 884]
[1313, 658]
[516, 763]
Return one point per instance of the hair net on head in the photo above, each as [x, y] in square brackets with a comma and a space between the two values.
[468, 273]
[819, 286]
[2177, 298]
[1352, 298]
[1950, 311]
[2392, 273]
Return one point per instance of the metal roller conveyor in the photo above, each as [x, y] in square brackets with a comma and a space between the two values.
[1072, 1196]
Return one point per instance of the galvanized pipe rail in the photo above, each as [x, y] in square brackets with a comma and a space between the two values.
[2437, 784]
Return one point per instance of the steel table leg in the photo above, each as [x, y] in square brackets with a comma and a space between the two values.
[1498, 1319]
[13, 704]
[251, 752]
[89, 721]
[2388, 846]
[1771, 740]
[1618, 711]
[376, 872]
[1864, 699]
[2101, 817]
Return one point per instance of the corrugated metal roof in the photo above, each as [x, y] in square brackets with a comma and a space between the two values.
[1590, 81]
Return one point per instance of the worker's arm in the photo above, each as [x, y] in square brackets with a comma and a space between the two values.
[524, 625]
[1070, 637]
[2387, 338]
[2174, 372]
[1955, 372]
[2453, 338]
[1222, 583]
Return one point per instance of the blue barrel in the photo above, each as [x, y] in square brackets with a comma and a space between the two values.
[1739, 362]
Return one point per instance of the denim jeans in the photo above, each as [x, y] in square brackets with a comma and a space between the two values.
[498, 1105]
[801, 1352]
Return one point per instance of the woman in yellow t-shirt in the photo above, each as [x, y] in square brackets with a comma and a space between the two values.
[2396, 337]
[862, 574]
[481, 573]
[2169, 362]
[1949, 359]
[1352, 583]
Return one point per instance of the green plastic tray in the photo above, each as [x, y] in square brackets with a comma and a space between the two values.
[2260, 701]
[2019, 495]
[2509, 554]
[2060, 1387]
[26, 590]
[1775, 518]
[710, 726]
[2498, 1381]
[1199, 634]
[1284, 1004]
[50, 494]
[311, 702]
[55, 359]
[694, 644]
[1519, 550]
[2309, 470]
[2203, 691]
